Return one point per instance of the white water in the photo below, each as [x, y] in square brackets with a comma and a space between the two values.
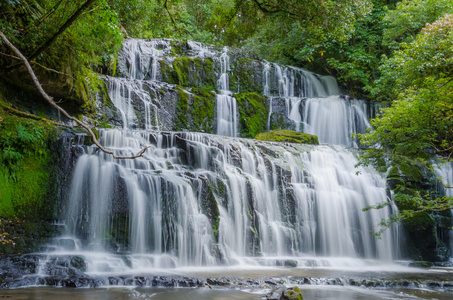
[303, 205]
[123, 93]
[226, 106]
[334, 120]
[276, 203]
[314, 105]
[141, 59]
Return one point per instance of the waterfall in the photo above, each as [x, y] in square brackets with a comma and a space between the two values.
[140, 60]
[334, 120]
[314, 105]
[197, 199]
[226, 106]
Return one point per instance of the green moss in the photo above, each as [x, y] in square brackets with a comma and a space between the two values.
[181, 110]
[189, 72]
[26, 207]
[210, 208]
[181, 67]
[23, 165]
[167, 72]
[288, 136]
[202, 111]
[253, 112]
[209, 76]
[293, 294]
[241, 76]
[177, 47]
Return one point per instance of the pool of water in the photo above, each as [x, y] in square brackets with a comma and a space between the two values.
[309, 292]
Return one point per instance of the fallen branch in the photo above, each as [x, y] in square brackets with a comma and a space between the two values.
[50, 100]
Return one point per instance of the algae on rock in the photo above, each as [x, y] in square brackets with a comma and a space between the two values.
[253, 112]
[288, 136]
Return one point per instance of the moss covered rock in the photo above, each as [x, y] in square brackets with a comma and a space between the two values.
[288, 136]
[189, 72]
[195, 110]
[292, 294]
[253, 112]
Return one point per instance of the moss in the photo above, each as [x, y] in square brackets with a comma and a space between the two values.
[181, 67]
[181, 110]
[241, 76]
[189, 72]
[26, 208]
[167, 72]
[253, 112]
[202, 111]
[210, 208]
[23, 164]
[178, 47]
[210, 79]
[293, 294]
[288, 136]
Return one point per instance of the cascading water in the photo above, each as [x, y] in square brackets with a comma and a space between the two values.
[226, 106]
[314, 105]
[334, 120]
[197, 199]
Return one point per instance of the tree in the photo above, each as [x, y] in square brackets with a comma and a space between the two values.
[419, 124]
[409, 17]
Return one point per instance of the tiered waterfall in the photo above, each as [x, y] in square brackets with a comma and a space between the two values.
[204, 199]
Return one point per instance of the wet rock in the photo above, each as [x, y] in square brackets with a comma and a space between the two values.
[292, 294]
[284, 293]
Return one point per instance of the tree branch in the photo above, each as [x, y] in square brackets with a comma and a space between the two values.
[171, 16]
[57, 107]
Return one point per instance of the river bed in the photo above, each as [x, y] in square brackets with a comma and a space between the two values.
[384, 282]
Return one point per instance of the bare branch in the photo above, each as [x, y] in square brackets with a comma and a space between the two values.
[50, 100]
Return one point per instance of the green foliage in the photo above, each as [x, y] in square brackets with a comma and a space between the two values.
[409, 17]
[19, 140]
[202, 111]
[288, 136]
[23, 166]
[417, 125]
[195, 110]
[419, 76]
[352, 57]
[90, 44]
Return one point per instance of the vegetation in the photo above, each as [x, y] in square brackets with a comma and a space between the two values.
[288, 136]
[419, 123]
[25, 179]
